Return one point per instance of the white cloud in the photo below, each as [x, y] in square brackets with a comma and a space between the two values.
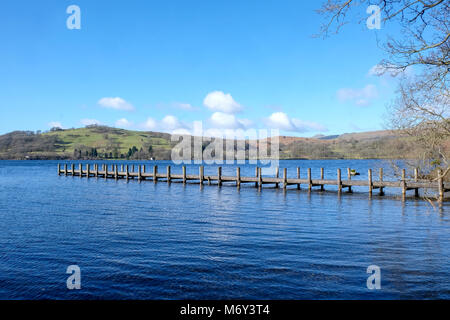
[149, 124]
[221, 102]
[88, 122]
[171, 123]
[223, 120]
[115, 103]
[55, 124]
[360, 97]
[123, 123]
[281, 121]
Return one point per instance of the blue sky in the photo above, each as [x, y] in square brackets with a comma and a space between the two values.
[160, 65]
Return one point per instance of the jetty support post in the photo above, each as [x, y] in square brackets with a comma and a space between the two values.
[440, 185]
[321, 178]
[256, 175]
[369, 174]
[238, 177]
[260, 180]
[139, 173]
[403, 182]
[65, 169]
[121, 168]
[284, 178]
[116, 172]
[201, 174]
[277, 175]
[309, 180]
[339, 180]
[59, 169]
[96, 170]
[381, 180]
[88, 170]
[155, 173]
[184, 174]
[219, 176]
[72, 169]
[168, 174]
[416, 179]
[298, 177]
[349, 177]
[81, 169]
[127, 172]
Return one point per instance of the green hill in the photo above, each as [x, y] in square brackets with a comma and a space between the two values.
[90, 142]
[101, 142]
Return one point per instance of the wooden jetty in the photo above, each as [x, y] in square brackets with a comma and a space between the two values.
[140, 173]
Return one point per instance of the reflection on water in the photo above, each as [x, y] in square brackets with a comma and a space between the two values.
[147, 241]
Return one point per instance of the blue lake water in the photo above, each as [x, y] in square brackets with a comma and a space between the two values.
[143, 240]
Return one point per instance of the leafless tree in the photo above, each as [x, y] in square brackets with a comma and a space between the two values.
[422, 106]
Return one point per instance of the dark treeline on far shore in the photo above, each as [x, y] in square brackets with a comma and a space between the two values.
[100, 142]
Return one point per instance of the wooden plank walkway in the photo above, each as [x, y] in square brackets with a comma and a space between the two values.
[129, 172]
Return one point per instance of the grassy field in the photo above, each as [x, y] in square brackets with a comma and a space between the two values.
[107, 139]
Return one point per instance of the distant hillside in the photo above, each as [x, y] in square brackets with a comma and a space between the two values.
[101, 142]
[85, 143]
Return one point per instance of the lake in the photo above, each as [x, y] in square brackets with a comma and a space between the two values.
[144, 240]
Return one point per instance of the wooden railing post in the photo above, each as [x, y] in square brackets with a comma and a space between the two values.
[416, 179]
[256, 175]
[238, 177]
[440, 185]
[321, 178]
[277, 175]
[370, 182]
[200, 174]
[155, 173]
[72, 168]
[59, 169]
[381, 180]
[184, 174]
[260, 179]
[139, 173]
[349, 177]
[81, 169]
[65, 169]
[403, 183]
[87, 170]
[127, 172]
[339, 180]
[284, 178]
[96, 170]
[298, 177]
[309, 180]
[168, 174]
[116, 172]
